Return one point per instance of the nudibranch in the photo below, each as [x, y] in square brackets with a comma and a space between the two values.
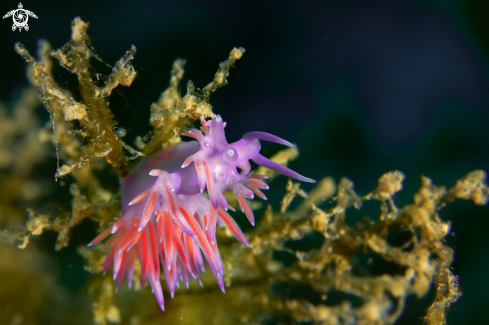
[168, 223]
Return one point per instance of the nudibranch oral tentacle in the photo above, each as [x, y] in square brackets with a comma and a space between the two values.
[167, 219]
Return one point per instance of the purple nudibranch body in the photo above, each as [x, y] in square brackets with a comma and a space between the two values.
[167, 222]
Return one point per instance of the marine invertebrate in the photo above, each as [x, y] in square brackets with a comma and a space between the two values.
[177, 222]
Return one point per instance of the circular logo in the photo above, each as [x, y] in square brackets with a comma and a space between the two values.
[20, 18]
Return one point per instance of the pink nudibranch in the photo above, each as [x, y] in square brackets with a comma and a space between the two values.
[167, 222]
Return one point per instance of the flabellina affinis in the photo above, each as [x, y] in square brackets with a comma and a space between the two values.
[168, 224]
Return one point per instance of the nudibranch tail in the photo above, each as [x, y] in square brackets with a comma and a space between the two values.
[169, 224]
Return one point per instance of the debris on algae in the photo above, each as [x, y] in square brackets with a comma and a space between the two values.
[253, 277]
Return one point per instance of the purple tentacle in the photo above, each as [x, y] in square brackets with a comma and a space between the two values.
[266, 137]
[217, 133]
[245, 167]
[265, 162]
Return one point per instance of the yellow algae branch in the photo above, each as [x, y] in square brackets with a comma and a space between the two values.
[93, 114]
[97, 123]
[172, 114]
[423, 257]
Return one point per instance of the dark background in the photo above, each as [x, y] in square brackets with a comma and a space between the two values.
[363, 87]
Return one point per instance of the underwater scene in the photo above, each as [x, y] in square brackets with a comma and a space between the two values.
[244, 162]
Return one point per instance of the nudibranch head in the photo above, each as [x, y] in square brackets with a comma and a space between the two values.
[177, 222]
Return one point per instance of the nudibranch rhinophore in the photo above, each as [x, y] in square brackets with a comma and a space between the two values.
[167, 222]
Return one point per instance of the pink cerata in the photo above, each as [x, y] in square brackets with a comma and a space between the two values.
[167, 219]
